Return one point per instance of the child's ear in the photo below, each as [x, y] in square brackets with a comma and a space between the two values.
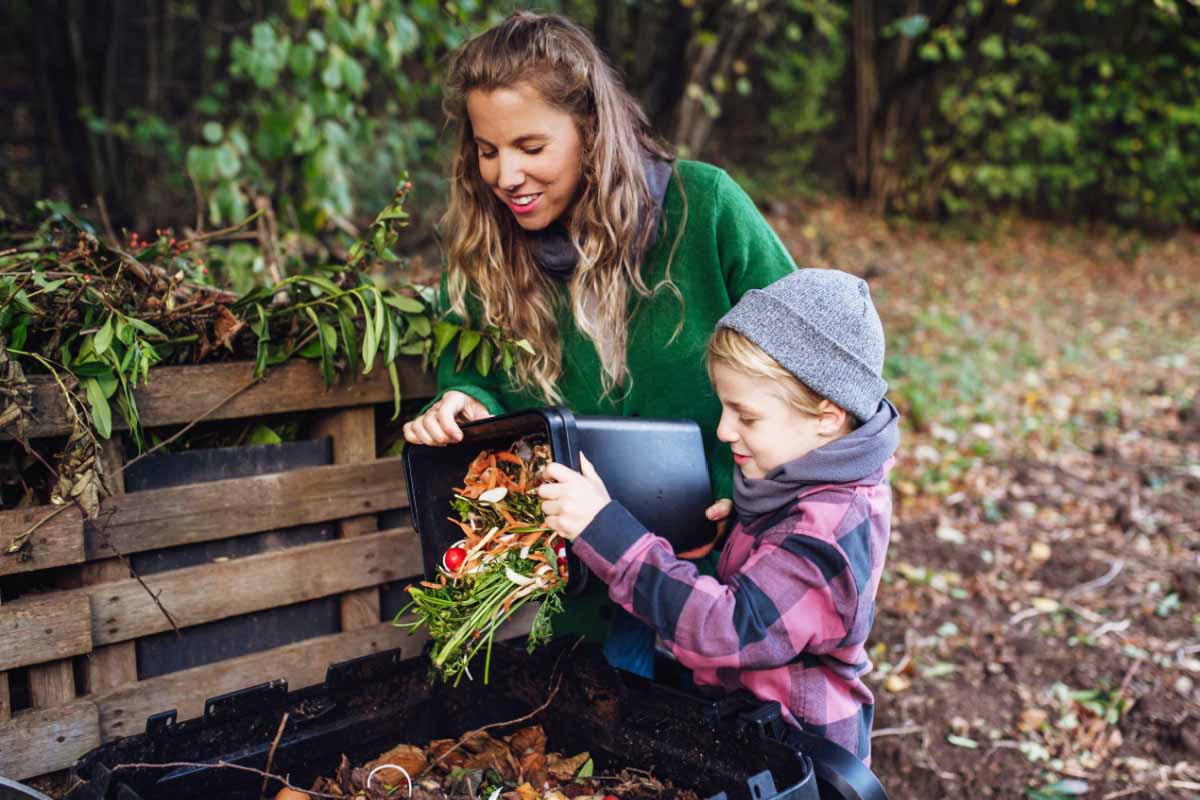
[832, 419]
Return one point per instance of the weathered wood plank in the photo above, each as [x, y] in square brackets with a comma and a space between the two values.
[353, 434]
[219, 509]
[177, 395]
[109, 666]
[42, 628]
[36, 742]
[5, 697]
[123, 711]
[124, 610]
[57, 541]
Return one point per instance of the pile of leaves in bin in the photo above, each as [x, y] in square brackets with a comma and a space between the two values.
[507, 557]
[481, 767]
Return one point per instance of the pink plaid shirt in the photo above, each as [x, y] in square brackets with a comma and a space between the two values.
[787, 616]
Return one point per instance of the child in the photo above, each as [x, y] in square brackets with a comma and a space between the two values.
[797, 369]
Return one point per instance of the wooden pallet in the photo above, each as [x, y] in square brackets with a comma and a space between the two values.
[78, 641]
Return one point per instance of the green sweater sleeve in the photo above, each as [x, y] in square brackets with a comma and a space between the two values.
[751, 254]
[466, 379]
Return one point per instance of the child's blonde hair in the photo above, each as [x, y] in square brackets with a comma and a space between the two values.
[491, 260]
[730, 348]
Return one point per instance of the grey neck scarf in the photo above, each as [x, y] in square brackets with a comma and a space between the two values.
[850, 459]
[556, 254]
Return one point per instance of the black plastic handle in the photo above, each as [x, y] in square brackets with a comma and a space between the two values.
[840, 775]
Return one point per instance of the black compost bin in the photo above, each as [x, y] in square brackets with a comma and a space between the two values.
[723, 748]
[655, 467]
[11, 790]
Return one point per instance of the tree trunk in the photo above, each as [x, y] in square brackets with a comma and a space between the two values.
[866, 95]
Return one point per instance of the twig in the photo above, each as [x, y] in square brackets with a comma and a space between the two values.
[201, 237]
[271, 755]
[268, 237]
[903, 730]
[227, 765]
[1133, 668]
[1123, 792]
[462, 739]
[108, 228]
[191, 424]
[1092, 585]
[199, 230]
[1191, 786]
[20, 539]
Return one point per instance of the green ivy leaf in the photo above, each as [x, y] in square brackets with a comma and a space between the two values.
[302, 60]
[404, 303]
[912, 26]
[483, 357]
[467, 343]
[353, 75]
[331, 76]
[263, 435]
[349, 338]
[443, 334]
[212, 132]
[394, 377]
[103, 337]
[145, 327]
[101, 411]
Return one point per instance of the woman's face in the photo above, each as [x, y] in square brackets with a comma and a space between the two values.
[529, 152]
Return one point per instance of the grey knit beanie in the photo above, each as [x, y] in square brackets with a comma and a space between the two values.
[821, 326]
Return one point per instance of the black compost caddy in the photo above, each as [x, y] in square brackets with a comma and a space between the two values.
[728, 747]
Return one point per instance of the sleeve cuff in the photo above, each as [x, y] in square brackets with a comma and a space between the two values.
[608, 537]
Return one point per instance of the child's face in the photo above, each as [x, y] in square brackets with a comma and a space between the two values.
[529, 152]
[762, 429]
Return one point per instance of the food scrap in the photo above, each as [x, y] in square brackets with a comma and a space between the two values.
[507, 557]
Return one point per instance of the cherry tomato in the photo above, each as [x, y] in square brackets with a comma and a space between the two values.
[454, 558]
[611, 797]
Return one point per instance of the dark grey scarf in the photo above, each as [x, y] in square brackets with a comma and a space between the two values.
[552, 246]
[850, 459]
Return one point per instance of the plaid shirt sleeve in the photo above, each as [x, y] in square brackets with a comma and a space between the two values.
[794, 595]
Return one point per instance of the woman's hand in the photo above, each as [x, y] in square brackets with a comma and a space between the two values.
[719, 513]
[439, 425]
[574, 499]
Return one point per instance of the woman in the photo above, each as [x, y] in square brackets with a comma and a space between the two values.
[571, 227]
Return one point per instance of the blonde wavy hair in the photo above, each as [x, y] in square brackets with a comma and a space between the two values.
[489, 256]
[732, 349]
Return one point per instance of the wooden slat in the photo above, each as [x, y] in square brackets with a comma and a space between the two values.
[33, 743]
[353, 434]
[123, 712]
[58, 541]
[109, 666]
[124, 610]
[177, 395]
[42, 628]
[5, 697]
[202, 512]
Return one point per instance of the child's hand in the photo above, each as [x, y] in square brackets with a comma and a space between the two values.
[574, 499]
[719, 513]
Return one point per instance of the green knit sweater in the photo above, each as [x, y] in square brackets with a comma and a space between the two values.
[727, 248]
